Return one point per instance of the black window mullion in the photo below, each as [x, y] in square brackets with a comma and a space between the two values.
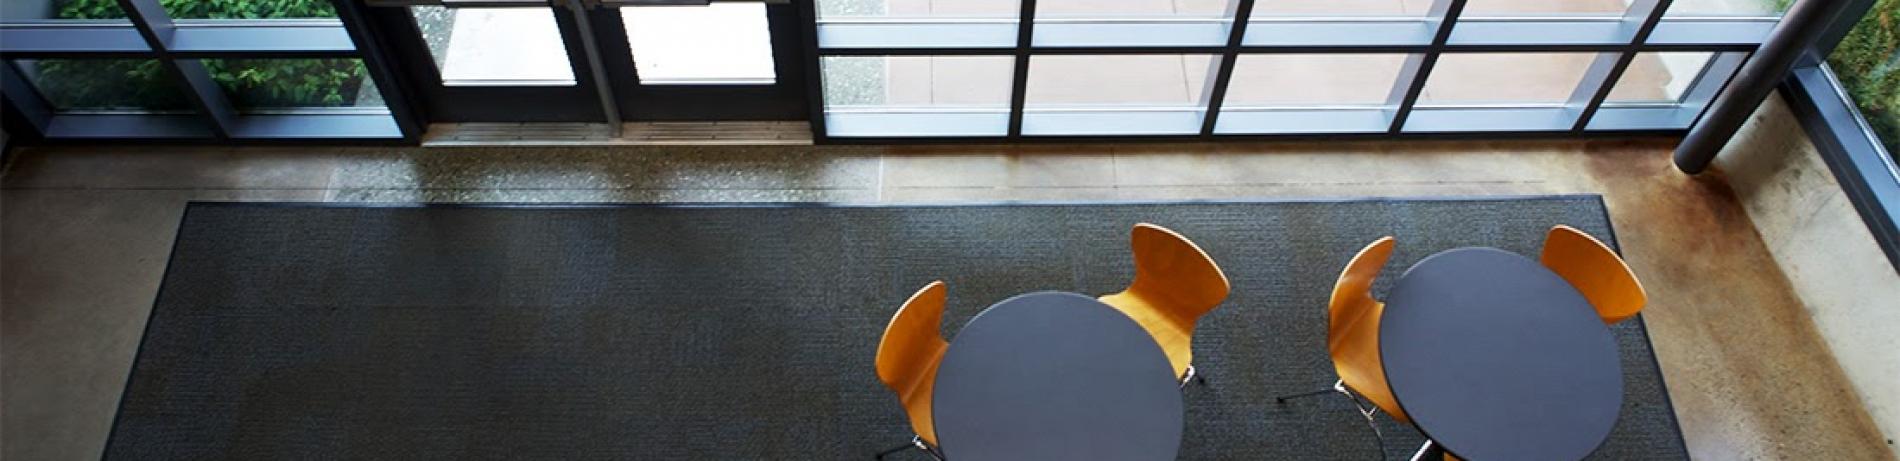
[1019, 81]
[1605, 75]
[1217, 92]
[1447, 12]
[157, 27]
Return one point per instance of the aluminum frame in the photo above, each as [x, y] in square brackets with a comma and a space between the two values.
[1618, 40]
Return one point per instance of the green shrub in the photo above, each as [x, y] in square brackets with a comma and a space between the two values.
[249, 83]
[1868, 64]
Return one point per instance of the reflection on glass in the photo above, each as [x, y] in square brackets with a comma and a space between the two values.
[1659, 77]
[1505, 78]
[717, 44]
[20, 11]
[1296, 80]
[1119, 80]
[1497, 8]
[294, 83]
[103, 84]
[916, 9]
[1868, 64]
[917, 81]
[247, 9]
[495, 46]
[1754, 8]
[1329, 8]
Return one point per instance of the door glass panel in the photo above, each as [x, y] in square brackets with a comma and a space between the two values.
[495, 46]
[717, 44]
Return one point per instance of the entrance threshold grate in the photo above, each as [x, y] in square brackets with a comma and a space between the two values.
[635, 134]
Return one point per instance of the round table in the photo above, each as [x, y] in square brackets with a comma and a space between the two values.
[1494, 357]
[1056, 376]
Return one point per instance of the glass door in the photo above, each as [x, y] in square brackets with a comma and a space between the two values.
[490, 61]
[600, 61]
[729, 60]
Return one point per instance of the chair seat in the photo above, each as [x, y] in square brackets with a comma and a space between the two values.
[1175, 339]
[917, 405]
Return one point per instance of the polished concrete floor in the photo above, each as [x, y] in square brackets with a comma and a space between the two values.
[85, 233]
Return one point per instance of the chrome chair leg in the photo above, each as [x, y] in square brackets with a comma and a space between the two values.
[915, 442]
[1428, 452]
[1364, 410]
[1192, 376]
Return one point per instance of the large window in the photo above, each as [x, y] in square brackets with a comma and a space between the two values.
[216, 69]
[1868, 64]
[1211, 68]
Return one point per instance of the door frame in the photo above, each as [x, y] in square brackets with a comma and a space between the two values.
[784, 100]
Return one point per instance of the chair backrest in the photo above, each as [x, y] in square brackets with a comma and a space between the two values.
[1352, 293]
[1172, 272]
[913, 342]
[1352, 332]
[1595, 271]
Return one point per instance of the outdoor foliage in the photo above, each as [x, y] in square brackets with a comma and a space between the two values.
[249, 83]
[1868, 63]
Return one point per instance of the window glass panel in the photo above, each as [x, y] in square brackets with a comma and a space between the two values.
[918, 81]
[1868, 64]
[1322, 8]
[1282, 80]
[722, 43]
[1112, 95]
[1496, 8]
[917, 95]
[1728, 8]
[495, 46]
[1505, 78]
[1659, 77]
[19, 11]
[1118, 80]
[939, 9]
[104, 84]
[294, 83]
[248, 9]
[1057, 9]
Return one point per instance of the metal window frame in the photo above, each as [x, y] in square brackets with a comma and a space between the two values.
[1866, 171]
[180, 46]
[1644, 27]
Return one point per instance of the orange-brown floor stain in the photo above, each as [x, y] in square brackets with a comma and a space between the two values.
[1747, 371]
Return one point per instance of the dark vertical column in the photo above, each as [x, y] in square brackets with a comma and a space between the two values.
[1215, 93]
[609, 104]
[372, 46]
[1418, 67]
[1019, 83]
[1608, 68]
[1806, 21]
[814, 69]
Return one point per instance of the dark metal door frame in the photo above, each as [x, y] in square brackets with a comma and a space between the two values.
[628, 99]
[784, 99]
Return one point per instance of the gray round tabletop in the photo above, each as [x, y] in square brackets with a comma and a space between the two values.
[1056, 376]
[1495, 357]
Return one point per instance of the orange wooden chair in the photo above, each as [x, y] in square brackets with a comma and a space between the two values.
[907, 360]
[1352, 337]
[1175, 284]
[1595, 271]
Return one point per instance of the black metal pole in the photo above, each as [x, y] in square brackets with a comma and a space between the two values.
[1804, 23]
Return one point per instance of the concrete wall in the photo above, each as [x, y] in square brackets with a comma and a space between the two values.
[1827, 252]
